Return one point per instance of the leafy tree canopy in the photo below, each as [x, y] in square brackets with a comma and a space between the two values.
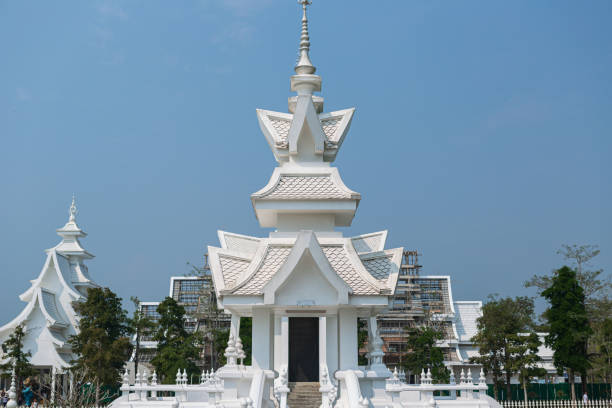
[176, 347]
[502, 320]
[102, 344]
[568, 321]
[12, 350]
[424, 353]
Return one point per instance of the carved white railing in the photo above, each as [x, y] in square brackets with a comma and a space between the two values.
[256, 392]
[465, 390]
[350, 391]
[281, 387]
[143, 390]
[328, 387]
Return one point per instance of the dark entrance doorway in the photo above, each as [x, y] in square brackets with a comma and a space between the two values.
[303, 349]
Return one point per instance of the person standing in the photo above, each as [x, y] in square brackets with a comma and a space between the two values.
[585, 398]
[27, 392]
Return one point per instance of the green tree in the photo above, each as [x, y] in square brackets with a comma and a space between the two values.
[362, 339]
[524, 348]
[596, 288]
[502, 319]
[140, 325]
[601, 358]
[424, 354]
[176, 347]
[246, 336]
[569, 324]
[16, 357]
[221, 337]
[592, 281]
[102, 344]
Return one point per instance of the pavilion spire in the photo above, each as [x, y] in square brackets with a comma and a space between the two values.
[304, 65]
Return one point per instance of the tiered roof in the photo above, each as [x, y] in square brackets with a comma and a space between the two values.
[304, 200]
[48, 317]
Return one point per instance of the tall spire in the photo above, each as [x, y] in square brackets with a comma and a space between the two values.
[304, 65]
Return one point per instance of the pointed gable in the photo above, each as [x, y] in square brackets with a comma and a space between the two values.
[308, 260]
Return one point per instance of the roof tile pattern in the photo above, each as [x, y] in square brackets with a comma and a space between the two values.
[330, 126]
[336, 255]
[242, 244]
[466, 315]
[367, 244]
[380, 268]
[273, 260]
[306, 188]
[232, 268]
[282, 127]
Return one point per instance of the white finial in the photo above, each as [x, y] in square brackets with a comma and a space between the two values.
[73, 209]
[154, 378]
[304, 65]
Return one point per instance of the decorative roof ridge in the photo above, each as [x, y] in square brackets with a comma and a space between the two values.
[36, 283]
[223, 234]
[231, 253]
[381, 245]
[367, 256]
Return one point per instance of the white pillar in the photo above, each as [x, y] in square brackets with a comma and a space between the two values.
[278, 344]
[285, 340]
[261, 338]
[235, 325]
[347, 333]
[332, 344]
[322, 341]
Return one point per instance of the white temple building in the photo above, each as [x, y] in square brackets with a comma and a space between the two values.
[305, 285]
[48, 318]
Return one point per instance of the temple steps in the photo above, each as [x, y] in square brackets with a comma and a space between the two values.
[304, 395]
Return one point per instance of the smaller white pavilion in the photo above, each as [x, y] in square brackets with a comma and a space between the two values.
[48, 318]
[305, 285]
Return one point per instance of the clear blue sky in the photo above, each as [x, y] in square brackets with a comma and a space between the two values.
[482, 135]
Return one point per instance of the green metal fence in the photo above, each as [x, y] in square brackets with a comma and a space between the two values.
[548, 392]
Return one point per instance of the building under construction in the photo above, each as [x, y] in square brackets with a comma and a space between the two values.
[427, 300]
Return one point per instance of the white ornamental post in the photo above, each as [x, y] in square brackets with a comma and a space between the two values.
[12, 402]
[154, 384]
[482, 384]
[125, 386]
[230, 351]
[53, 384]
